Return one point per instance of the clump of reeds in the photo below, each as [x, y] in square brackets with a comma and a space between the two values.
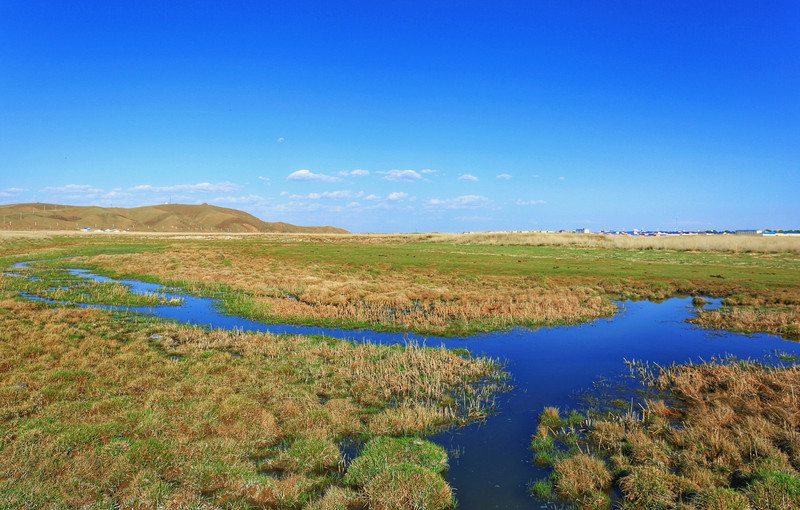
[398, 473]
[781, 320]
[728, 439]
[583, 479]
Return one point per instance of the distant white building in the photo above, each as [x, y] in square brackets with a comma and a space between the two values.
[749, 232]
[581, 230]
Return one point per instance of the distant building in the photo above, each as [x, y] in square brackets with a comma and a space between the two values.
[581, 230]
[748, 232]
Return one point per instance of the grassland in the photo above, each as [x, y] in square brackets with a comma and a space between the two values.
[100, 411]
[438, 284]
[103, 412]
[726, 439]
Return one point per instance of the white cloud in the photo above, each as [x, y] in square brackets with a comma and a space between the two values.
[372, 196]
[397, 195]
[116, 194]
[11, 192]
[334, 195]
[71, 188]
[401, 175]
[265, 179]
[504, 176]
[354, 173]
[85, 194]
[307, 175]
[462, 202]
[342, 195]
[281, 139]
[468, 177]
[560, 178]
[203, 187]
[429, 171]
[353, 204]
[248, 200]
[530, 202]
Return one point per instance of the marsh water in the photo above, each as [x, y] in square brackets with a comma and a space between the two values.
[490, 464]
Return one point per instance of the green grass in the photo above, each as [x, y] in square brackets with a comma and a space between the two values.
[545, 261]
[401, 473]
[485, 270]
[57, 285]
[385, 451]
[98, 411]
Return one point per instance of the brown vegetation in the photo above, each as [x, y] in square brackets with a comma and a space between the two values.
[783, 321]
[410, 282]
[730, 441]
[724, 243]
[420, 283]
[101, 412]
[269, 288]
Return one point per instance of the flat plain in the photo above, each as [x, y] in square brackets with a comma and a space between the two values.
[103, 409]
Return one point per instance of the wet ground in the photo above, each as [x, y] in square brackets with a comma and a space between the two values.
[490, 464]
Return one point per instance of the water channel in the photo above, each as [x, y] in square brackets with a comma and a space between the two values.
[490, 464]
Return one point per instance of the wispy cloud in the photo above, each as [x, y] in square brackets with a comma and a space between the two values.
[397, 196]
[530, 202]
[203, 187]
[401, 176]
[281, 140]
[354, 173]
[248, 200]
[71, 189]
[372, 197]
[504, 176]
[462, 202]
[334, 195]
[429, 171]
[86, 194]
[307, 175]
[11, 192]
[468, 177]
[265, 179]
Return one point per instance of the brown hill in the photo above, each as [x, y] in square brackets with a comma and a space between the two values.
[153, 218]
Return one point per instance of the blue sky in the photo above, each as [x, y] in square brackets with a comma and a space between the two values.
[410, 116]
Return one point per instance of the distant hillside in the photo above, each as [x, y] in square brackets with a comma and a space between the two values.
[153, 218]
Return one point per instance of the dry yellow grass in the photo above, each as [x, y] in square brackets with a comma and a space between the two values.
[721, 243]
[730, 440]
[282, 290]
[717, 242]
[785, 321]
[428, 284]
[100, 412]
[725, 243]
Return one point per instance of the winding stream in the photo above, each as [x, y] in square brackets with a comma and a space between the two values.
[490, 464]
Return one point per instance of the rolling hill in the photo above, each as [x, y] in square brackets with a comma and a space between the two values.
[153, 218]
